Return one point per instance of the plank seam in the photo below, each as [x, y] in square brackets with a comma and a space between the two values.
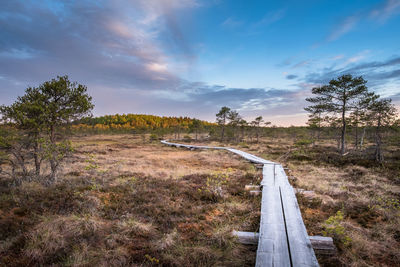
[286, 230]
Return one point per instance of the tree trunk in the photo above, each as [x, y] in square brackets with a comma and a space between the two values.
[362, 138]
[356, 141]
[338, 140]
[378, 141]
[20, 160]
[313, 137]
[319, 127]
[36, 158]
[342, 138]
[257, 133]
[23, 167]
[53, 163]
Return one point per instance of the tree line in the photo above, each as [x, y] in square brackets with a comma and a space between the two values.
[139, 123]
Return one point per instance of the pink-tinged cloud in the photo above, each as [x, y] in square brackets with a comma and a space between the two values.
[358, 57]
[301, 64]
[337, 57]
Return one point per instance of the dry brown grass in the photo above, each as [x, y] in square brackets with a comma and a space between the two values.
[120, 201]
[124, 202]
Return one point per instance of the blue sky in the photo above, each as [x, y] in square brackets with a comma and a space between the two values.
[191, 57]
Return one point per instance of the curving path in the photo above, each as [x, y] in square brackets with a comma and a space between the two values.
[283, 239]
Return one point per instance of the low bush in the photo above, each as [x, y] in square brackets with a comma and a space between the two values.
[333, 227]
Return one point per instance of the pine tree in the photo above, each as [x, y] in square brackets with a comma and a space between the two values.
[234, 120]
[339, 97]
[42, 111]
[257, 122]
[242, 125]
[222, 117]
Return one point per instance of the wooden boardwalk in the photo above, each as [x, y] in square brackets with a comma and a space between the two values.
[283, 239]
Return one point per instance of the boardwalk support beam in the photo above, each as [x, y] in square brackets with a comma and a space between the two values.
[322, 245]
[250, 187]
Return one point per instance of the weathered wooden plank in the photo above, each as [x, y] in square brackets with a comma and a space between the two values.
[280, 176]
[252, 187]
[323, 245]
[302, 191]
[248, 238]
[268, 175]
[189, 146]
[249, 156]
[258, 165]
[272, 239]
[305, 193]
[265, 259]
[301, 251]
[245, 155]
[255, 192]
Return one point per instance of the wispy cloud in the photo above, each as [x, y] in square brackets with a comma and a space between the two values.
[301, 64]
[374, 65]
[270, 18]
[286, 62]
[344, 27]
[249, 100]
[231, 23]
[356, 58]
[385, 11]
[293, 63]
[380, 13]
[266, 21]
[378, 73]
[337, 57]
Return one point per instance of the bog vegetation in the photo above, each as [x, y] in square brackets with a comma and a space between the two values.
[82, 191]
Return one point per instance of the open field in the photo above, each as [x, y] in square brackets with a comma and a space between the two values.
[122, 200]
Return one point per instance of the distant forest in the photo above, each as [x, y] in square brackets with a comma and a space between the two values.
[138, 123]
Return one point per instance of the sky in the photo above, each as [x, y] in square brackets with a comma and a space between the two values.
[191, 57]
